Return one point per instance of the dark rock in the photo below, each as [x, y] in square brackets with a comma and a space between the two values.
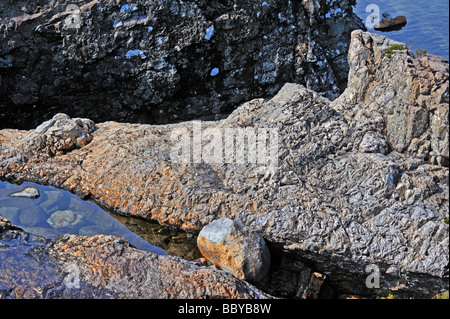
[391, 24]
[292, 279]
[153, 64]
[32, 216]
[412, 121]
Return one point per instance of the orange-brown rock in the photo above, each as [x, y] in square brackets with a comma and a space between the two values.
[233, 247]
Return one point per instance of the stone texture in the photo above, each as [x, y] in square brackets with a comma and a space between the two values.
[103, 267]
[292, 279]
[151, 61]
[233, 247]
[64, 218]
[403, 97]
[339, 198]
[61, 134]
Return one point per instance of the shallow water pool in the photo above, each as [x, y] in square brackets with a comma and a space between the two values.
[57, 212]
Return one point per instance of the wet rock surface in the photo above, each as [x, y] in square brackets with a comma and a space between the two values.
[354, 185]
[64, 218]
[103, 267]
[61, 134]
[27, 192]
[390, 24]
[160, 61]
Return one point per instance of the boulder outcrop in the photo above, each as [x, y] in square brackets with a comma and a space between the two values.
[233, 247]
[164, 61]
[61, 134]
[354, 184]
[407, 97]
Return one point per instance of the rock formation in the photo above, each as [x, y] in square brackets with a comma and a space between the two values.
[359, 182]
[391, 24]
[27, 192]
[160, 61]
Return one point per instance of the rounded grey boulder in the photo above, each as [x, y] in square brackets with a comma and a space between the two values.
[235, 248]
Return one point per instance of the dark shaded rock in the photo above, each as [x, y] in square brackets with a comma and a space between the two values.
[233, 247]
[153, 62]
[293, 279]
[390, 24]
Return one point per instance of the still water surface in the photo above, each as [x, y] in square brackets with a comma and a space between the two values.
[57, 212]
[427, 27]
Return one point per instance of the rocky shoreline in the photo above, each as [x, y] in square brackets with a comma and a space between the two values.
[335, 164]
[360, 181]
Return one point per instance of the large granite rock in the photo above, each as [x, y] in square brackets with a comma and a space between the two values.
[346, 189]
[159, 61]
[103, 267]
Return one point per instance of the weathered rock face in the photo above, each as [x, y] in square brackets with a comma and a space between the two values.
[235, 248]
[103, 267]
[159, 61]
[64, 218]
[27, 192]
[348, 189]
[406, 98]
